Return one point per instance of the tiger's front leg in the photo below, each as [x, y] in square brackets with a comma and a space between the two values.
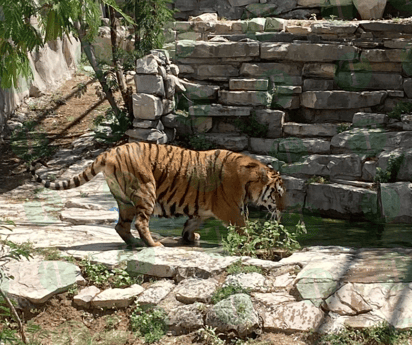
[190, 226]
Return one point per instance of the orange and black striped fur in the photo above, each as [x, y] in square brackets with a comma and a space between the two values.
[149, 179]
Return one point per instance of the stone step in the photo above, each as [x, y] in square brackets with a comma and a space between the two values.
[249, 84]
[247, 98]
[232, 142]
[219, 110]
[290, 149]
[341, 99]
[343, 166]
[370, 120]
[310, 130]
[331, 200]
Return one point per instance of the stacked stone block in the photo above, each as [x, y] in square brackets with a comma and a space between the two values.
[153, 103]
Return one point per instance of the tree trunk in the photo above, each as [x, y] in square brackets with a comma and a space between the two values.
[125, 91]
[89, 51]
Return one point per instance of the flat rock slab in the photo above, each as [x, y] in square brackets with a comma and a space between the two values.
[177, 263]
[116, 298]
[37, 281]
[156, 292]
[100, 201]
[84, 297]
[381, 265]
[294, 316]
[79, 216]
[195, 290]
[251, 281]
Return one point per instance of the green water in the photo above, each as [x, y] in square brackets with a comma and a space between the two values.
[320, 231]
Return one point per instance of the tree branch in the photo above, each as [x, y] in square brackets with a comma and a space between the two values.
[16, 316]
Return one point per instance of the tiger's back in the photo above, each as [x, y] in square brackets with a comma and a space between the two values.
[149, 179]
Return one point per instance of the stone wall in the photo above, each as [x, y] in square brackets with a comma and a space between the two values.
[296, 9]
[51, 65]
[322, 88]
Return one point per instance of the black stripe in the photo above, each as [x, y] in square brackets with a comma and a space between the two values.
[92, 170]
[76, 181]
[114, 172]
[47, 184]
[196, 212]
[164, 214]
[181, 202]
[222, 167]
[85, 176]
[173, 184]
[186, 210]
[264, 191]
[173, 209]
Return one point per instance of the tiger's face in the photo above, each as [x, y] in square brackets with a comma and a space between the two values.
[272, 195]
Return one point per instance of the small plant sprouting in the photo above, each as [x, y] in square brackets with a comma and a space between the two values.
[392, 170]
[208, 336]
[100, 275]
[317, 179]
[343, 127]
[237, 268]
[149, 323]
[226, 291]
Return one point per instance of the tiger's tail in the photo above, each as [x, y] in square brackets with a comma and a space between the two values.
[85, 176]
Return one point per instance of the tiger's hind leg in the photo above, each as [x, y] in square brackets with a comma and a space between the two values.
[142, 225]
[127, 213]
[190, 226]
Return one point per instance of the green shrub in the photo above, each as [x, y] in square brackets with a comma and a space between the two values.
[200, 142]
[251, 126]
[400, 108]
[118, 126]
[257, 237]
[391, 172]
[382, 334]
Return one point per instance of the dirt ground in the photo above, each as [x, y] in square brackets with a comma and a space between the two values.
[63, 116]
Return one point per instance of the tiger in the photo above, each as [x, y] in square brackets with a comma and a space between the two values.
[148, 179]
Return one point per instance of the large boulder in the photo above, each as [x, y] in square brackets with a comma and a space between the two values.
[235, 313]
[334, 200]
[396, 201]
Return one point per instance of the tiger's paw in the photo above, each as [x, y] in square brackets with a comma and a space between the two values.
[196, 236]
[157, 244]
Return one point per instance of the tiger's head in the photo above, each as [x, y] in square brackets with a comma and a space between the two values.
[273, 194]
[268, 190]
